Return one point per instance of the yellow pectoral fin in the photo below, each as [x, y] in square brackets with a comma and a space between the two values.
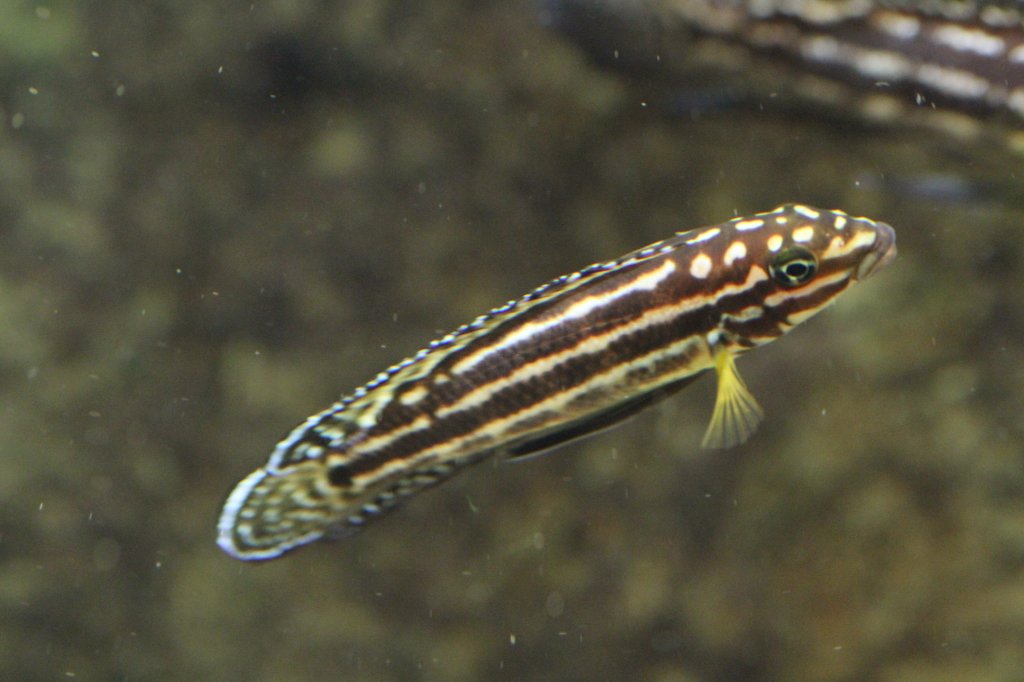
[737, 413]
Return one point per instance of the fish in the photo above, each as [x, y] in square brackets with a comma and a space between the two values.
[574, 356]
[956, 66]
[967, 55]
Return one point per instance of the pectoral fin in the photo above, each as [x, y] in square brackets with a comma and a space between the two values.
[737, 413]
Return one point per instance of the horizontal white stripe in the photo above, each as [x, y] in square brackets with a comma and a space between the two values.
[582, 308]
[820, 283]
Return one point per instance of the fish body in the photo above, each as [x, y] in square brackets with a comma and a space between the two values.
[575, 355]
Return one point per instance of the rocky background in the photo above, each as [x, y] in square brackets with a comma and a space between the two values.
[215, 217]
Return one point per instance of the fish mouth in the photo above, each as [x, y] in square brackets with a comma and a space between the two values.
[882, 252]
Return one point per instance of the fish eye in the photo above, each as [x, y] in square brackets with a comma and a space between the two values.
[794, 266]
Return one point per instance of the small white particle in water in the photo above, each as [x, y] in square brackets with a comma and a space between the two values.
[512, 639]
[95, 54]
[33, 90]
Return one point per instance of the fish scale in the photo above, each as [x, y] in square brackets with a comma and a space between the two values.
[574, 356]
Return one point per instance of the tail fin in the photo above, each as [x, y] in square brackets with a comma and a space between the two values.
[270, 513]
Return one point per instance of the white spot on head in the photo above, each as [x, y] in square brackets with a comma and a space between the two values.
[781, 220]
[834, 247]
[840, 222]
[704, 236]
[803, 234]
[807, 212]
[700, 267]
[744, 225]
[736, 251]
[775, 242]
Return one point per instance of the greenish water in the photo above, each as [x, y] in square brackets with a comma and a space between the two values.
[215, 220]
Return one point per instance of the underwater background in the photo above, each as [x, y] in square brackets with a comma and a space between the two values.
[217, 217]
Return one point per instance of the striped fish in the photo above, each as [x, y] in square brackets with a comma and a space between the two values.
[953, 65]
[965, 54]
[573, 356]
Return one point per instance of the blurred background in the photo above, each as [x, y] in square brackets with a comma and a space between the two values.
[217, 217]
